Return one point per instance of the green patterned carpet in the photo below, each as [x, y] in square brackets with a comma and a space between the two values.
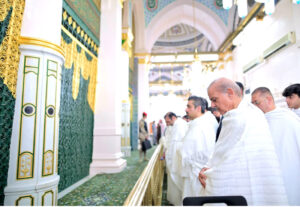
[108, 189]
[164, 201]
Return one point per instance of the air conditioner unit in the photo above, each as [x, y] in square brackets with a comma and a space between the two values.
[286, 40]
[252, 64]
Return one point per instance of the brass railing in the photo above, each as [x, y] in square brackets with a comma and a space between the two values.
[148, 189]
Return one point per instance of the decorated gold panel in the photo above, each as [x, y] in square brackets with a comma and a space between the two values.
[84, 63]
[11, 14]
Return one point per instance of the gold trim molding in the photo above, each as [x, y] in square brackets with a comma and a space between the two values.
[24, 197]
[121, 3]
[142, 61]
[128, 38]
[77, 42]
[142, 54]
[42, 43]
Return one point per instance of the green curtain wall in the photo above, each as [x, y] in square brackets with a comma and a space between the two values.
[7, 105]
[75, 132]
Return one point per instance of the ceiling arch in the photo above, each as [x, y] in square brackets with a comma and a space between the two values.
[191, 13]
[152, 7]
[182, 38]
[139, 24]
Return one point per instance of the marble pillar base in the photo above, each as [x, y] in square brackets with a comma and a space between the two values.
[107, 155]
[42, 194]
[107, 164]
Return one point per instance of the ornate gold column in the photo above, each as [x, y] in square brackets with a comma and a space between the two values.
[32, 175]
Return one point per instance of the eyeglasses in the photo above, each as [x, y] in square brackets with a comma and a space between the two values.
[213, 99]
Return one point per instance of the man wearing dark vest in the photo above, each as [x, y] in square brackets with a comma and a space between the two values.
[143, 135]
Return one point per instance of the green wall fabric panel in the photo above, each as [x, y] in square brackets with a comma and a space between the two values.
[4, 25]
[87, 15]
[75, 132]
[7, 105]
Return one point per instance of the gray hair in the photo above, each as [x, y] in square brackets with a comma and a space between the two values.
[263, 91]
[223, 84]
[199, 101]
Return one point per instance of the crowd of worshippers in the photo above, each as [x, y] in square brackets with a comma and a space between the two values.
[253, 151]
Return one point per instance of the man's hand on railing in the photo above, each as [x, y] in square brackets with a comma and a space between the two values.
[163, 157]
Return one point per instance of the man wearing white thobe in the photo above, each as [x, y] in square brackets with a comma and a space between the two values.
[197, 145]
[165, 139]
[211, 118]
[285, 130]
[244, 161]
[179, 128]
[292, 97]
[296, 111]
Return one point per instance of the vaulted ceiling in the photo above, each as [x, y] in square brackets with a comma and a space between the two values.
[182, 38]
[188, 24]
[198, 24]
[168, 26]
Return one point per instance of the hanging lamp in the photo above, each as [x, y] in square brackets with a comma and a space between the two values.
[197, 62]
[270, 7]
[242, 8]
[296, 1]
[227, 4]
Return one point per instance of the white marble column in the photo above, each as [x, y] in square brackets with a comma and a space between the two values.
[127, 38]
[32, 175]
[125, 135]
[107, 155]
[143, 86]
